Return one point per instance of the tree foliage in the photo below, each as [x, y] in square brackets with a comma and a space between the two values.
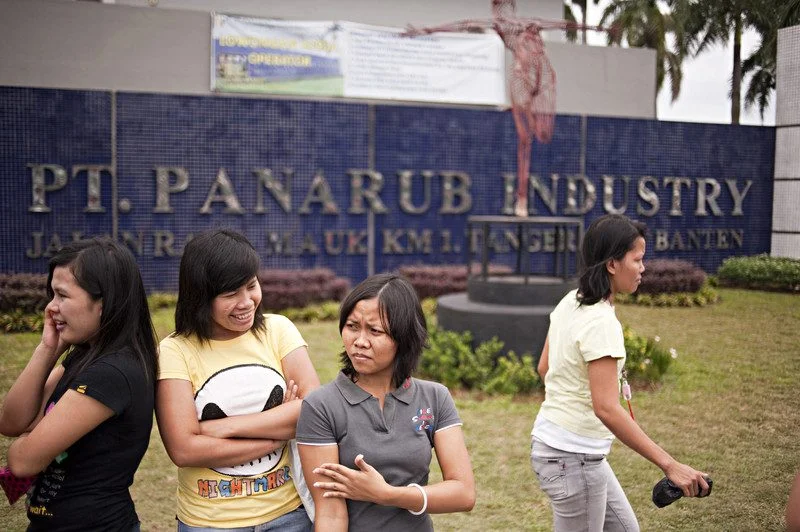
[761, 64]
[677, 29]
[649, 24]
[569, 15]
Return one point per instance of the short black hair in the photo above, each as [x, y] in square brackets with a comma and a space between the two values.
[108, 272]
[213, 262]
[401, 316]
[608, 237]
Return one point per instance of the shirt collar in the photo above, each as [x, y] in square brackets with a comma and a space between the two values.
[405, 391]
[350, 390]
[354, 394]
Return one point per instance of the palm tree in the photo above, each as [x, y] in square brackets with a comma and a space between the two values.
[762, 62]
[643, 24]
[711, 22]
[760, 65]
[569, 15]
[791, 14]
[679, 28]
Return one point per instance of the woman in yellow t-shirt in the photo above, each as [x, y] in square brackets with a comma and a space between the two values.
[226, 401]
[581, 363]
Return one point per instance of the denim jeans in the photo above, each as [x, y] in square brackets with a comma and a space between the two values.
[295, 521]
[584, 492]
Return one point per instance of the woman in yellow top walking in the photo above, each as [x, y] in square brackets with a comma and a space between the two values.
[581, 366]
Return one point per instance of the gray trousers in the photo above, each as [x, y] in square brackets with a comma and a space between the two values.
[584, 492]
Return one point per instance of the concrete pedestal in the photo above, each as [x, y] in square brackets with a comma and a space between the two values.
[518, 313]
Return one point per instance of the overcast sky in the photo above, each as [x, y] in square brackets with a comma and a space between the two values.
[706, 83]
[704, 92]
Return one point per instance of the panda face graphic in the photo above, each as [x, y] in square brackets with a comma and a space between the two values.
[246, 389]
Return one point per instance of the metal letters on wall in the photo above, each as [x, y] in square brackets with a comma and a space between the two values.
[353, 187]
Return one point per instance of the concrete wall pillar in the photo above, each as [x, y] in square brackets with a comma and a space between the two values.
[785, 211]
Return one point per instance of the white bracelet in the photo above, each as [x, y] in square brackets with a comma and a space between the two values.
[424, 499]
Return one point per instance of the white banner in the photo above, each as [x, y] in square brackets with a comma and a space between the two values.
[463, 68]
[355, 61]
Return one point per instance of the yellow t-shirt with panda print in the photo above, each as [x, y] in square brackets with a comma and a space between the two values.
[234, 377]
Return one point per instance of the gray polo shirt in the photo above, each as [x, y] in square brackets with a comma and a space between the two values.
[396, 441]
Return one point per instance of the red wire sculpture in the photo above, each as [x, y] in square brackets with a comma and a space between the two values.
[532, 82]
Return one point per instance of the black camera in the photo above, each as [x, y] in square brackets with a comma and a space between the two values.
[665, 492]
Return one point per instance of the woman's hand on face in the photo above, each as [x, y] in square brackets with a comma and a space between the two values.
[51, 338]
[688, 479]
[362, 484]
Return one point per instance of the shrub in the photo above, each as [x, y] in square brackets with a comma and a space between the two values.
[647, 361]
[672, 283]
[705, 296]
[327, 310]
[451, 360]
[761, 272]
[435, 281]
[429, 308]
[445, 355]
[284, 289]
[26, 292]
[513, 375]
[18, 321]
[666, 276]
[159, 300]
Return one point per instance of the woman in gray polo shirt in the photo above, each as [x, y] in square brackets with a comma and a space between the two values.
[365, 439]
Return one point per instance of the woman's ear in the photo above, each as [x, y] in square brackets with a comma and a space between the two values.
[611, 266]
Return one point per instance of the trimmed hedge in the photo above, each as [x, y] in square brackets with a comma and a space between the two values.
[305, 294]
[327, 310]
[284, 289]
[761, 272]
[705, 296]
[672, 283]
[435, 281]
[667, 276]
[26, 292]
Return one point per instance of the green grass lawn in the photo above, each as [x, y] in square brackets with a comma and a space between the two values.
[729, 406]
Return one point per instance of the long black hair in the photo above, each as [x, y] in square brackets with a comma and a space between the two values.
[608, 237]
[401, 316]
[108, 272]
[213, 262]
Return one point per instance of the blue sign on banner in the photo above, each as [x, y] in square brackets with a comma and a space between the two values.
[341, 185]
[277, 56]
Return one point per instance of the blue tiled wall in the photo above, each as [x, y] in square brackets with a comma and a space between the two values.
[636, 148]
[206, 135]
[47, 126]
